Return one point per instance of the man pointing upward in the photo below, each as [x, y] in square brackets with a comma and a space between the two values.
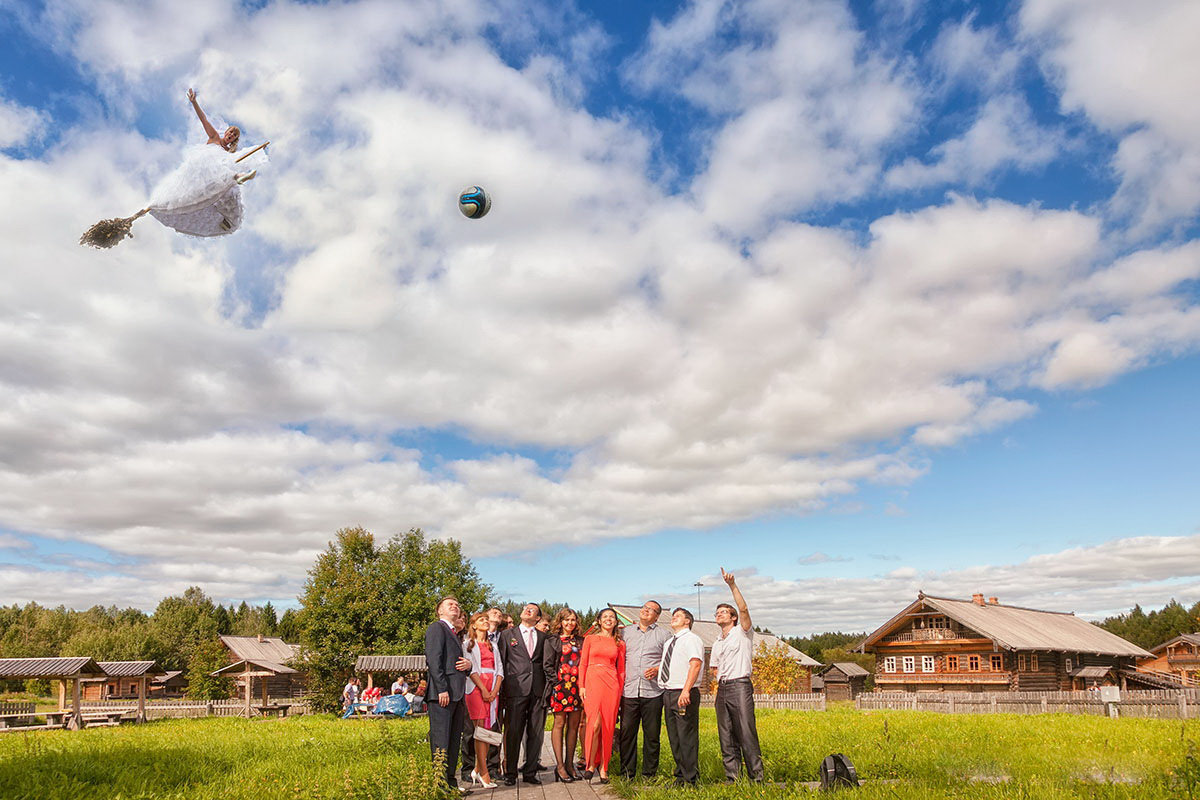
[731, 665]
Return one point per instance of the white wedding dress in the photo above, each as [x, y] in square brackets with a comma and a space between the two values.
[201, 197]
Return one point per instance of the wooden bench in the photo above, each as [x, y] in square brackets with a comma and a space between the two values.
[54, 719]
[102, 719]
[273, 710]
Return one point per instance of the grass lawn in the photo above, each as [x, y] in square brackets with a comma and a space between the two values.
[929, 755]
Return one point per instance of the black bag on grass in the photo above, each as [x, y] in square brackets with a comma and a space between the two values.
[837, 772]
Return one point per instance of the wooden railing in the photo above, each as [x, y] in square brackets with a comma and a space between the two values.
[11, 708]
[930, 635]
[797, 701]
[1166, 703]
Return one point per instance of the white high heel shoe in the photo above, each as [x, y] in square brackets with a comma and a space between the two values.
[476, 779]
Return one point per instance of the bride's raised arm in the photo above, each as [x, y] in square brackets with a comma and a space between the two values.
[213, 136]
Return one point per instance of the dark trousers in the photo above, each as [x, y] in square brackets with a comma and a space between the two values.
[737, 729]
[646, 713]
[526, 720]
[683, 733]
[445, 733]
[468, 753]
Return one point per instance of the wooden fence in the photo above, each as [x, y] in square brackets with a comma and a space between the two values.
[172, 709]
[797, 701]
[10, 708]
[1158, 703]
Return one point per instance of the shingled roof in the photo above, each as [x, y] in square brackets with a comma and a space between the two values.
[1190, 638]
[260, 648]
[390, 664]
[49, 668]
[131, 669]
[1017, 628]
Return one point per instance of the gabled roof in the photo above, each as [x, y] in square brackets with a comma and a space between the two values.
[709, 631]
[1016, 628]
[131, 669]
[239, 667]
[847, 668]
[249, 648]
[168, 676]
[1190, 638]
[49, 667]
[390, 664]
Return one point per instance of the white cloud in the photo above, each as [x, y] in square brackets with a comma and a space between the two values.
[1130, 68]
[676, 378]
[1093, 582]
[18, 123]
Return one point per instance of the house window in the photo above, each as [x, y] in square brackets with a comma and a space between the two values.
[951, 663]
[889, 664]
[997, 662]
[1068, 665]
[928, 664]
[939, 622]
[1022, 662]
[973, 663]
[1033, 667]
[910, 664]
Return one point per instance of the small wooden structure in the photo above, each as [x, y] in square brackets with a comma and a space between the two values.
[393, 666]
[75, 670]
[244, 672]
[274, 658]
[171, 683]
[123, 679]
[844, 680]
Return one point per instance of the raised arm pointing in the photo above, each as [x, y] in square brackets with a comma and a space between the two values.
[738, 600]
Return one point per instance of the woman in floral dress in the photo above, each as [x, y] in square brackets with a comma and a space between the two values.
[562, 653]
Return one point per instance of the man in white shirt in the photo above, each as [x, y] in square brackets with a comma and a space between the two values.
[731, 665]
[641, 697]
[682, 660]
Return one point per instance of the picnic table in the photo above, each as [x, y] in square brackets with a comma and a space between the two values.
[273, 710]
[24, 720]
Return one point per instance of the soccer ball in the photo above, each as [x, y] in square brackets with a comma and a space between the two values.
[474, 202]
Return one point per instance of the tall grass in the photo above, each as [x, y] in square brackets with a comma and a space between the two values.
[905, 755]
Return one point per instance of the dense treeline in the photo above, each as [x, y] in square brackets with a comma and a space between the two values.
[181, 629]
[1152, 629]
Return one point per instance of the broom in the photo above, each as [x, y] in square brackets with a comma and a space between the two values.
[111, 232]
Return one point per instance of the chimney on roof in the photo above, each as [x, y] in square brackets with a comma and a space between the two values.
[993, 601]
[977, 598]
[260, 638]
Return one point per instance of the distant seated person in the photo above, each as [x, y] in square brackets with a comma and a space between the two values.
[416, 699]
[400, 686]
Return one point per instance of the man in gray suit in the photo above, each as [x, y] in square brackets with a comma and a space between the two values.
[447, 683]
[525, 687]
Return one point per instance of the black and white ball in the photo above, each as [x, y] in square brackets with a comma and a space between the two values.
[474, 202]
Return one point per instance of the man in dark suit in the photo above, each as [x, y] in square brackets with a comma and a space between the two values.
[525, 688]
[447, 682]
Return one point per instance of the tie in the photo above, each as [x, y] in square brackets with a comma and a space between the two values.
[664, 674]
[529, 643]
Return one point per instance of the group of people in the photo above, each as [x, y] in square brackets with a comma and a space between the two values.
[409, 697]
[504, 679]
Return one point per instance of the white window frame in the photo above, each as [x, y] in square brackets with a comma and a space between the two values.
[928, 664]
[889, 664]
[1068, 664]
[910, 663]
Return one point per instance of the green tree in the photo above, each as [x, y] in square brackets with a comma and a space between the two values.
[773, 670]
[208, 657]
[361, 599]
[183, 623]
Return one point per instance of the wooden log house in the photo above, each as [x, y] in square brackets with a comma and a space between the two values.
[946, 644]
[261, 665]
[1178, 657]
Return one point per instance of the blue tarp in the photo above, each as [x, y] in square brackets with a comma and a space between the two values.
[395, 705]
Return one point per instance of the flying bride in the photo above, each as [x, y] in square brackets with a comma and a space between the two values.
[202, 197]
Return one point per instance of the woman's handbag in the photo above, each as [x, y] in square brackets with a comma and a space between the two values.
[489, 736]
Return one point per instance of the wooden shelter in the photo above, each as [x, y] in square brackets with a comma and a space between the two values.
[843, 680]
[274, 658]
[709, 631]
[941, 644]
[74, 669]
[245, 671]
[123, 679]
[394, 666]
[171, 683]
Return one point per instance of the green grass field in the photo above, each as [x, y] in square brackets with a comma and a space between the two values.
[910, 755]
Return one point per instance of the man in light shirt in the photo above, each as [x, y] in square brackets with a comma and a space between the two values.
[731, 665]
[642, 697]
[682, 659]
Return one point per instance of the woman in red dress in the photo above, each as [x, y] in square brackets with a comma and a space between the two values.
[482, 690]
[563, 651]
[600, 683]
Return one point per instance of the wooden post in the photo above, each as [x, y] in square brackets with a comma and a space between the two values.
[76, 714]
[264, 685]
[141, 715]
[62, 694]
[247, 676]
[1182, 704]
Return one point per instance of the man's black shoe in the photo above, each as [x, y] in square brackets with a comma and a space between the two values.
[510, 781]
[533, 779]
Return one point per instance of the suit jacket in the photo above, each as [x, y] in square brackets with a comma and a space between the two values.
[523, 676]
[442, 650]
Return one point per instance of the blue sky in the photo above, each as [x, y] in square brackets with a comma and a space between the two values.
[854, 298]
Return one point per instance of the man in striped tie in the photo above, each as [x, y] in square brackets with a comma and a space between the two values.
[682, 660]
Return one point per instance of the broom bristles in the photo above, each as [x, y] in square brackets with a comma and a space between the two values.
[109, 232]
